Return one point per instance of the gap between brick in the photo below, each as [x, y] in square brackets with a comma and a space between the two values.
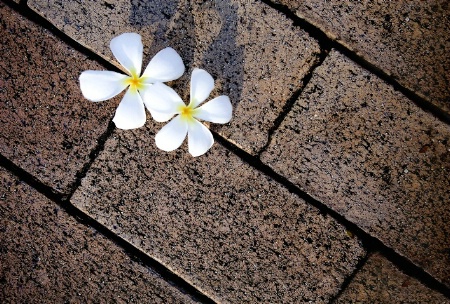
[291, 101]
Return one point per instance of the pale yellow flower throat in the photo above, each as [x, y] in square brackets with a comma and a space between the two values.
[135, 82]
[187, 112]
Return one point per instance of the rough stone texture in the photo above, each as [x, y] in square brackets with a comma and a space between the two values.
[366, 151]
[407, 39]
[47, 257]
[236, 235]
[379, 281]
[258, 58]
[47, 127]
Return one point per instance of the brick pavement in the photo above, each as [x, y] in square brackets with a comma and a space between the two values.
[47, 256]
[405, 39]
[366, 151]
[234, 233]
[328, 185]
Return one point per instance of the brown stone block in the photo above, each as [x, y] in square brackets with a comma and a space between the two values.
[47, 127]
[255, 54]
[406, 39]
[379, 281]
[234, 233]
[48, 257]
[366, 151]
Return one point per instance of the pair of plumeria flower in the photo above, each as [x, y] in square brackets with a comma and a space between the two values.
[160, 100]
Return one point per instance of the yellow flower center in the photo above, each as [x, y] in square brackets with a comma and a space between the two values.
[187, 112]
[135, 82]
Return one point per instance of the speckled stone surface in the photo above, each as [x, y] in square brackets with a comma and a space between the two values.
[366, 151]
[47, 127]
[407, 39]
[379, 281]
[236, 235]
[257, 57]
[48, 257]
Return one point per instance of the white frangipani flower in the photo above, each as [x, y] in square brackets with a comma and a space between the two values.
[167, 103]
[165, 66]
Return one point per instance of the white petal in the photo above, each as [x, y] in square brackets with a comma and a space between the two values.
[160, 117]
[131, 112]
[218, 110]
[200, 138]
[167, 65]
[161, 98]
[101, 85]
[172, 135]
[128, 49]
[201, 86]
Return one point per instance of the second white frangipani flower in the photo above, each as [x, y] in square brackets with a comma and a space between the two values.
[165, 66]
[166, 102]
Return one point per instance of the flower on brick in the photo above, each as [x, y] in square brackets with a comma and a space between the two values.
[127, 48]
[167, 103]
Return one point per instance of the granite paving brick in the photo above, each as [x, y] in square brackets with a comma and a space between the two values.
[46, 256]
[231, 231]
[406, 39]
[47, 128]
[363, 149]
[379, 281]
[255, 53]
